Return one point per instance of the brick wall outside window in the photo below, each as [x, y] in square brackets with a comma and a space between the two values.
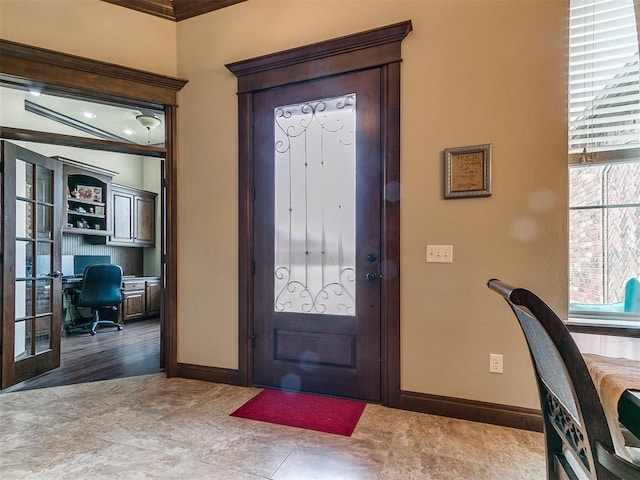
[604, 243]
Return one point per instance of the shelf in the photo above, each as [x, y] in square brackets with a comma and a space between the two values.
[94, 220]
[85, 214]
[87, 231]
[85, 202]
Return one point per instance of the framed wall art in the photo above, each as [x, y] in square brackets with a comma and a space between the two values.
[467, 172]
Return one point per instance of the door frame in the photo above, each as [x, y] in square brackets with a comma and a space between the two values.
[379, 48]
[26, 66]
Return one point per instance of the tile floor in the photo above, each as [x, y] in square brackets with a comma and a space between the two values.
[151, 427]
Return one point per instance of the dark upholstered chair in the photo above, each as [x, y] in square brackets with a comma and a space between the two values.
[101, 289]
[578, 439]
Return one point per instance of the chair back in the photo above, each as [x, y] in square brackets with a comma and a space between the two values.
[101, 286]
[574, 420]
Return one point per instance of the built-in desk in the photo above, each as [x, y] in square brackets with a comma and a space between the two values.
[141, 298]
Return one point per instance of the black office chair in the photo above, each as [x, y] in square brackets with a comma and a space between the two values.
[101, 289]
[578, 439]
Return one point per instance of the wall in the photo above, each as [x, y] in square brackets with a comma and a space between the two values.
[474, 72]
[92, 29]
[477, 71]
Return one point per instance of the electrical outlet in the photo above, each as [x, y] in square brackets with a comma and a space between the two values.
[495, 363]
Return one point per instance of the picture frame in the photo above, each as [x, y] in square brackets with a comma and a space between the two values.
[467, 172]
[90, 193]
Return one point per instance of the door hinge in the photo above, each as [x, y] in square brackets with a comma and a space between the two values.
[253, 194]
[252, 339]
[164, 182]
[253, 267]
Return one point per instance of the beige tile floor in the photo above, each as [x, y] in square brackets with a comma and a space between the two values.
[151, 427]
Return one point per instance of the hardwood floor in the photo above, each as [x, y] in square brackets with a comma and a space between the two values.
[135, 350]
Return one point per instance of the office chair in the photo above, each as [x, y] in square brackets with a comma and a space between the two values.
[577, 436]
[101, 289]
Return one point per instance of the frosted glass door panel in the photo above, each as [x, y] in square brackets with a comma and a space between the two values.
[315, 205]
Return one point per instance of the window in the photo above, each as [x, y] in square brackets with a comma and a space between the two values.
[604, 160]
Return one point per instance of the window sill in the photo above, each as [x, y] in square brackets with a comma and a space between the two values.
[625, 328]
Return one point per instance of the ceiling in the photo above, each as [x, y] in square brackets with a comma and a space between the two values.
[175, 10]
[43, 111]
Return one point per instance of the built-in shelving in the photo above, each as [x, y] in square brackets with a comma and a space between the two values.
[88, 198]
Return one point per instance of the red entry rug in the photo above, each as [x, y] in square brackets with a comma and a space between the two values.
[313, 412]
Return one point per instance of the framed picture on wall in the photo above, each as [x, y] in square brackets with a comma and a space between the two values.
[467, 172]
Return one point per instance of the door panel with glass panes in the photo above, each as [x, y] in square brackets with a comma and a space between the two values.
[31, 277]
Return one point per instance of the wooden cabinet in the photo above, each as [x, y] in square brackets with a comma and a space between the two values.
[88, 191]
[153, 298]
[133, 219]
[141, 298]
[133, 299]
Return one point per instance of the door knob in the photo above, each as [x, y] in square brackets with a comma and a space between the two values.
[371, 276]
[55, 274]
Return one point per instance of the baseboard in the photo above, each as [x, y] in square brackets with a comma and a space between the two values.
[208, 374]
[496, 414]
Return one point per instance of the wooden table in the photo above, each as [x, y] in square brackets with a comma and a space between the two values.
[616, 346]
[629, 411]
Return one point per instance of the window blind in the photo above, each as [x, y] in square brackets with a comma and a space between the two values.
[604, 76]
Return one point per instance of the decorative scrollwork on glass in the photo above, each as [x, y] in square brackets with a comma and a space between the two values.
[315, 192]
[333, 296]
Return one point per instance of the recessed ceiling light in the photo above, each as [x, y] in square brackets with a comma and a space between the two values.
[88, 114]
[128, 131]
[35, 93]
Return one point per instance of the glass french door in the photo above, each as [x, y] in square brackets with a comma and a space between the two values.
[31, 257]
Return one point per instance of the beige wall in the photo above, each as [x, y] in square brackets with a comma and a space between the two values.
[92, 29]
[474, 72]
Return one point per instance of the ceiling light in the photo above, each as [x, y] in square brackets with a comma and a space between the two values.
[148, 121]
[128, 131]
[35, 93]
[88, 114]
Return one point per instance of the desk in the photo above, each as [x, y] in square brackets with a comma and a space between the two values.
[142, 298]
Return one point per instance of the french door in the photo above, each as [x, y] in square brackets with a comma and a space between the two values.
[31, 280]
[317, 234]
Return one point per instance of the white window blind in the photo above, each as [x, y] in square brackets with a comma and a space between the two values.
[604, 97]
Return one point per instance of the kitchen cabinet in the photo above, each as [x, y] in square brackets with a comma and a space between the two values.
[133, 219]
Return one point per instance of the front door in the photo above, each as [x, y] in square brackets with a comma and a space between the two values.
[317, 236]
[31, 256]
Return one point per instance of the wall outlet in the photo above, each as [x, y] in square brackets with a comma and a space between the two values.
[439, 253]
[495, 363]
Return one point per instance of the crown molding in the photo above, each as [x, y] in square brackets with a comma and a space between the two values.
[175, 10]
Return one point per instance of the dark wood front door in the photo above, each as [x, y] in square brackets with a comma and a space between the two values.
[32, 201]
[317, 234]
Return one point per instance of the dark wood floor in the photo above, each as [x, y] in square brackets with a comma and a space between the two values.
[135, 350]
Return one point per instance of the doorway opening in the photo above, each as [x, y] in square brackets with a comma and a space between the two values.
[79, 131]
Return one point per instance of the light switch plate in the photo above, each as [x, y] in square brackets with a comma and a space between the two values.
[439, 253]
